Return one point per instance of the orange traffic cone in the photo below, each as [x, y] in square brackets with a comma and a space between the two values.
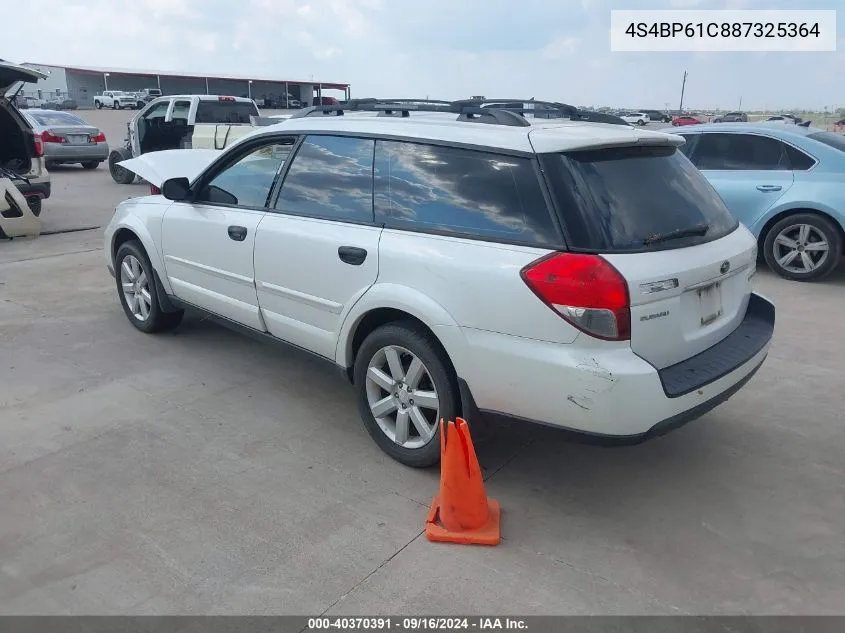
[461, 513]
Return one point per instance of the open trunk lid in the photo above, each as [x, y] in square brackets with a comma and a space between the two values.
[686, 260]
[13, 76]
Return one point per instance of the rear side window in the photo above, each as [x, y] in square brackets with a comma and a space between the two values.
[330, 177]
[57, 118]
[739, 152]
[630, 199]
[209, 111]
[465, 193]
[798, 160]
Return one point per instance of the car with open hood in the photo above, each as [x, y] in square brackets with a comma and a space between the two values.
[21, 149]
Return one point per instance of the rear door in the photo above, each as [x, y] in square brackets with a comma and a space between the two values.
[751, 172]
[652, 215]
[316, 252]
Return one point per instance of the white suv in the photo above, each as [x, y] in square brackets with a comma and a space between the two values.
[578, 274]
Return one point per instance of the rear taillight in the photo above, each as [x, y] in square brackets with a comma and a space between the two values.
[39, 145]
[586, 290]
[47, 136]
[154, 191]
[99, 138]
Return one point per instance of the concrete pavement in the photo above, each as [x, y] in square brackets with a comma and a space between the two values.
[203, 472]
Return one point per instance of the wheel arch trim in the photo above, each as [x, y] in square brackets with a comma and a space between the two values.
[412, 302]
[132, 224]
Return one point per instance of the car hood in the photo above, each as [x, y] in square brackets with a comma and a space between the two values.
[11, 76]
[156, 167]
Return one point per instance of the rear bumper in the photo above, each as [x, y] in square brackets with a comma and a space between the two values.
[605, 390]
[56, 153]
[753, 334]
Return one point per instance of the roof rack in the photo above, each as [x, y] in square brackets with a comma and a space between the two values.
[509, 112]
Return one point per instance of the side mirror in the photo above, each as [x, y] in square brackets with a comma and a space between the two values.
[176, 189]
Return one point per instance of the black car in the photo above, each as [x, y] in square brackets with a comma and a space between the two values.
[732, 117]
[656, 116]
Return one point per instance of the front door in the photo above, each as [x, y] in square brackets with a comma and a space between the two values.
[316, 252]
[208, 243]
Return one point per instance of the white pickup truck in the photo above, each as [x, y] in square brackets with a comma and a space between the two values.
[184, 122]
[115, 99]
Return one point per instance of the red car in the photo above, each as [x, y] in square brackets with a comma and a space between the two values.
[325, 101]
[685, 120]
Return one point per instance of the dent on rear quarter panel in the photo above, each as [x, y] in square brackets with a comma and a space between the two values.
[595, 380]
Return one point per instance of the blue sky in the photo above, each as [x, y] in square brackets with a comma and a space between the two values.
[440, 48]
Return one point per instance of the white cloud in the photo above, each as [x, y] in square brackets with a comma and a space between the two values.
[561, 47]
[440, 48]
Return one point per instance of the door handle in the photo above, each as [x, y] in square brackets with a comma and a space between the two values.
[237, 233]
[768, 188]
[352, 255]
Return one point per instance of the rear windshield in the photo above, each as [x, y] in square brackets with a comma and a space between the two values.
[829, 138]
[634, 199]
[225, 111]
[56, 118]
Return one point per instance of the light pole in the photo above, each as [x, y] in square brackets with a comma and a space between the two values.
[683, 86]
[250, 88]
[106, 80]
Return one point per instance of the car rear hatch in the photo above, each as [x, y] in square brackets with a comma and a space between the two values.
[13, 76]
[648, 212]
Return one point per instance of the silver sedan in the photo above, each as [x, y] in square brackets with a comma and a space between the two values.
[67, 138]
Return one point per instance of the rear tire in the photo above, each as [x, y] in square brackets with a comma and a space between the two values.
[119, 174]
[98, 105]
[434, 378]
[133, 269]
[793, 247]
[91, 164]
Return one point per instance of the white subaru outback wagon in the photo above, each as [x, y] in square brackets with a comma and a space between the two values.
[468, 261]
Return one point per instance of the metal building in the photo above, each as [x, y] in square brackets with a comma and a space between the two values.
[83, 83]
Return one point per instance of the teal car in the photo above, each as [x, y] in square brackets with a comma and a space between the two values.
[785, 182]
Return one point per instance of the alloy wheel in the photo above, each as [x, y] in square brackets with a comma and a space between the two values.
[135, 286]
[402, 397]
[800, 248]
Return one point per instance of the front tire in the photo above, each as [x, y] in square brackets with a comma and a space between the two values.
[137, 291]
[115, 105]
[405, 386]
[803, 247]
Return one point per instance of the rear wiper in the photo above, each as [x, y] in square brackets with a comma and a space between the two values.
[698, 229]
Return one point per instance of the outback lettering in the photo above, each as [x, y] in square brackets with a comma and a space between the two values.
[656, 315]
